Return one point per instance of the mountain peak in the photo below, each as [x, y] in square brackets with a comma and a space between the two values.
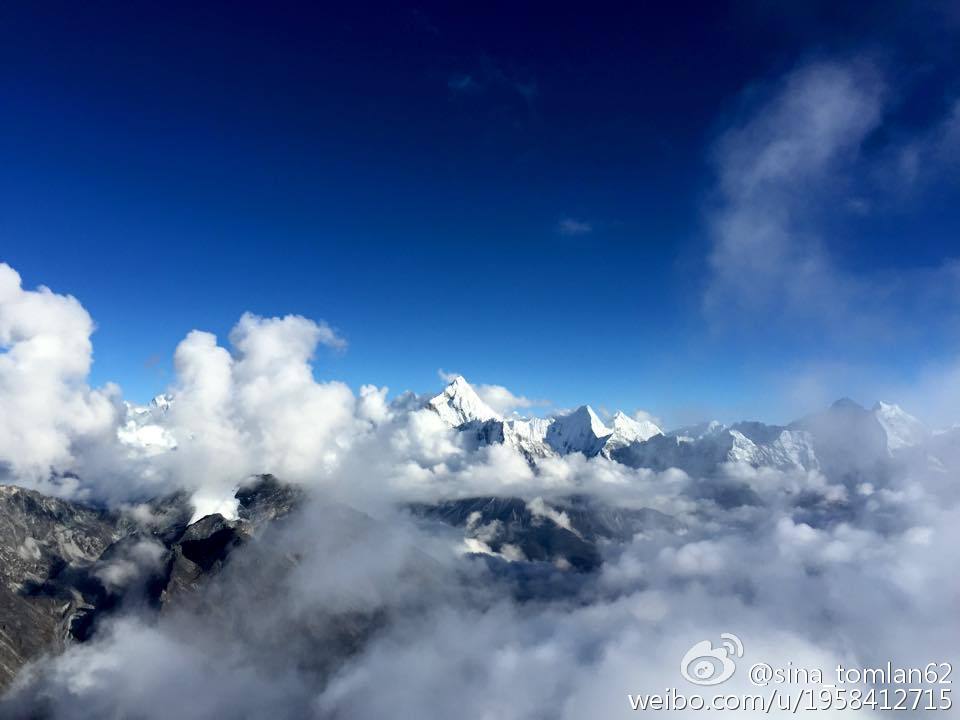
[580, 430]
[459, 404]
[903, 429]
[629, 429]
[596, 424]
[884, 407]
[626, 431]
[846, 403]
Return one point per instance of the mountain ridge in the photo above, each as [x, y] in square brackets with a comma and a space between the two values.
[699, 448]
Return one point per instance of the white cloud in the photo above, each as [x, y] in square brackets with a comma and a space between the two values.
[572, 227]
[447, 377]
[235, 414]
[789, 166]
[47, 407]
[372, 404]
[503, 401]
[809, 570]
[794, 148]
[259, 408]
[643, 416]
[794, 593]
[922, 159]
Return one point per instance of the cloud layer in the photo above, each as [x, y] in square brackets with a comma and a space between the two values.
[45, 356]
[803, 158]
[358, 608]
[380, 614]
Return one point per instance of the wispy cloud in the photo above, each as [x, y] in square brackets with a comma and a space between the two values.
[462, 83]
[765, 253]
[571, 226]
[490, 75]
[760, 550]
[783, 173]
[505, 402]
[922, 159]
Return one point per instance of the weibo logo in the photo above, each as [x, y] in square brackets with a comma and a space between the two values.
[705, 664]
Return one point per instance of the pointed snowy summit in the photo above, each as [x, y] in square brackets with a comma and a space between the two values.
[579, 431]
[459, 404]
[626, 430]
[903, 429]
[633, 430]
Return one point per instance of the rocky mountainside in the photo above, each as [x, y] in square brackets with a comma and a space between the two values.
[67, 568]
[46, 545]
[564, 532]
[64, 566]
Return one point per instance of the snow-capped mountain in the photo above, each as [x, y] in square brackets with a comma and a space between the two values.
[850, 442]
[626, 431]
[579, 431]
[779, 447]
[845, 440]
[752, 444]
[459, 404]
[528, 436]
[902, 429]
[536, 542]
[143, 429]
[699, 449]
[820, 441]
[695, 432]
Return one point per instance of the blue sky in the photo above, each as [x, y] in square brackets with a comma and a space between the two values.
[535, 197]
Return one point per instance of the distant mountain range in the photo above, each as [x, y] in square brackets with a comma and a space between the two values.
[809, 443]
[883, 432]
[64, 567]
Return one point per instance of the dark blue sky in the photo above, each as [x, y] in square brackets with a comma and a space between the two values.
[522, 194]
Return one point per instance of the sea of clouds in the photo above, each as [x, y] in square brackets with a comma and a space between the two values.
[811, 571]
[354, 609]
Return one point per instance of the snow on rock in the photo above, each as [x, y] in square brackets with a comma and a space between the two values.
[789, 449]
[579, 431]
[626, 430]
[902, 429]
[701, 450]
[143, 430]
[529, 436]
[792, 448]
[459, 404]
[690, 433]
